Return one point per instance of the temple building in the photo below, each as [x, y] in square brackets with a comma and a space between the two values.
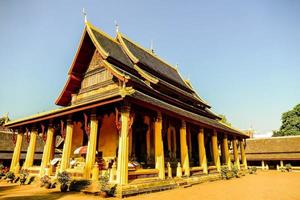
[127, 112]
[274, 152]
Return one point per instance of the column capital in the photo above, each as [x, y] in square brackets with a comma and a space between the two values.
[126, 107]
[215, 133]
[50, 123]
[158, 116]
[183, 124]
[201, 130]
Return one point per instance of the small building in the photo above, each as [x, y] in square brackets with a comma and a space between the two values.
[132, 113]
[273, 152]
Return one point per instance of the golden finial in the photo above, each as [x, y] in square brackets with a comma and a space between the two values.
[117, 26]
[85, 15]
[151, 47]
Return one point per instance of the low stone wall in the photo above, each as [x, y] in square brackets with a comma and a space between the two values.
[155, 185]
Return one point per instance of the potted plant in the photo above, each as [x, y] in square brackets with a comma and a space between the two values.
[1, 170]
[63, 178]
[46, 181]
[104, 187]
[235, 171]
[23, 176]
[10, 176]
[288, 167]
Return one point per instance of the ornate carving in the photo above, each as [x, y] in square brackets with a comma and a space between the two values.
[62, 129]
[118, 122]
[44, 136]
[27, 135]
[86, 125]
[14, 139]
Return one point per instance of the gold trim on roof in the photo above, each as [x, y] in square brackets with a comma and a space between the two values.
[93, 38]
[145, 75]
[115, 72]
[144, 49]
[131, 56]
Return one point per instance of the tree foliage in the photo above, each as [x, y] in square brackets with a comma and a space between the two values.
[224, 120]
[290, 123]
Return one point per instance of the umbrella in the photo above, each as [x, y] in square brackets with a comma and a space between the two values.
[54, 161]
[82, 150]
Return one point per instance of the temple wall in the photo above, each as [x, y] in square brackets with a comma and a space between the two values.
[77, 136]
[108, 139]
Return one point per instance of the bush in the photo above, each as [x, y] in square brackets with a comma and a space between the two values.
[45, 181]
[252, 170]
[225, 172]
[288, 167]
[23, 176]
[105, 187]
[63, 178]
[235, 171]
[10, 176]
[78, 185]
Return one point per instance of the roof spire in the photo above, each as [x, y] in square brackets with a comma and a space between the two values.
[85, 15]
[117, 26]
[151, 47]
[176, 66]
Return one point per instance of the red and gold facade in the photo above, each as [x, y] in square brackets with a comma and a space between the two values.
[134, 113]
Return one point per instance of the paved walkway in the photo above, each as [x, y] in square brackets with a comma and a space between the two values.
[271, 185]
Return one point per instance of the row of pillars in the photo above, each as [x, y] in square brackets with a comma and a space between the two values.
[123, 150]
[49, 149]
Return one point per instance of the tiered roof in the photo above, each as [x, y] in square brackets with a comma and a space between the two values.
[153, 80]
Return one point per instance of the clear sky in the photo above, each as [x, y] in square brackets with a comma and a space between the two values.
[243, 57]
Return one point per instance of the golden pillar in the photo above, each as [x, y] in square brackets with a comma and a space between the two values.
[190, 146]
[122, 167]
[214, 140]
[236, 153]
[184, 150]
[243, 154]
[225, 152]
[159, 147]
[91, 149]
[169, 141]
[16, 155]
[47, 149]
[31, 149]
[202, 151]
[65, 159]
[148, 138]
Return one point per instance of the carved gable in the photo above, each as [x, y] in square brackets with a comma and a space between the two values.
[97, 79]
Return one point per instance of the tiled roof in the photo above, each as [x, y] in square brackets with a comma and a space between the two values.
[273, 148]
[152, 62]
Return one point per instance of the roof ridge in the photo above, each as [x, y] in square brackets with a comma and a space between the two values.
[90, 25]
[149, 52]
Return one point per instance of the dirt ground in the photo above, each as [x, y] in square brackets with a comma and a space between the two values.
[271, 185]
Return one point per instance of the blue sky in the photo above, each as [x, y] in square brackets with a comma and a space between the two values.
[241, 56]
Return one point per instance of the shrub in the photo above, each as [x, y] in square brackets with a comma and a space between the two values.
[105, 187]
[78, 185]
[63, 178]
[23, 176]
[224, 172]
[45, 181]
[10, 176]
[235, 170]
[252, 170]
[288, 167]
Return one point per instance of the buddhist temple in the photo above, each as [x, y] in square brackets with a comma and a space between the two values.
[126, 112]
[274, 152]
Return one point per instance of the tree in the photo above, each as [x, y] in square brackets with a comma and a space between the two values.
[224, 120]
[290, 123]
